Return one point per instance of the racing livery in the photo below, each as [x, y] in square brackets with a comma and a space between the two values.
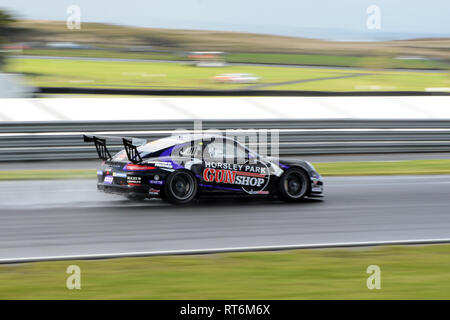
[181, 168]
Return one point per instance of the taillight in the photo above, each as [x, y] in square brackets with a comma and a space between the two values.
[137, 167]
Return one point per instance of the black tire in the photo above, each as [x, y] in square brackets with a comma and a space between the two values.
[180, 187]
[294, 185]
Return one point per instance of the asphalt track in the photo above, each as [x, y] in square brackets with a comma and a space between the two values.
[57, 218]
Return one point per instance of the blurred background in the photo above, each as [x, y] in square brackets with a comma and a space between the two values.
[359, 88]
[210, 45]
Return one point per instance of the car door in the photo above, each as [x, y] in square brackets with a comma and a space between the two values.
[219, 165]
[231, 167]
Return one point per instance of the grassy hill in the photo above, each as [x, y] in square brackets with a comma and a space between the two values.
[378, 58]
[107, 35]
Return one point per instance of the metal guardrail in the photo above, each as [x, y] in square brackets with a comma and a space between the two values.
[63, 140]
[222, 250]
[94, 126]
[231, 92]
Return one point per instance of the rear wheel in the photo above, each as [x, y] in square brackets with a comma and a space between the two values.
[294, 185]
[180, 187]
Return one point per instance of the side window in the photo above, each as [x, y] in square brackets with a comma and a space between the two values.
[240, 153]
[224, 151]
[214, 150]
[187, 151]
[194, 150]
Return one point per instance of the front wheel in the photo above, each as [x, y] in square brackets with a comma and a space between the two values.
[181, 187]
[294, 185]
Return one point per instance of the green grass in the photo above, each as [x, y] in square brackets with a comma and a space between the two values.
[330, 60]
[155, 75]
[47, 174]
[269, 58]
[360, 168]
[377, 81]
[62, 73]
[91, 53]
[407, 272]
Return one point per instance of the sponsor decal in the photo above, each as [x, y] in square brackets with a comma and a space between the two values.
[153, 191]
[159, 182]
[316, 189]
[219, 176]
[258, 167]
[258, 192]
[134, 181]
[99, 172]
[252, 178]
[108, 180]
[163, 164]
[119, 174]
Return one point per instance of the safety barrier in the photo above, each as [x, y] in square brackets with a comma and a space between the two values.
[63, 140]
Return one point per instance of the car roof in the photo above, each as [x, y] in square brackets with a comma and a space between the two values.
[175, 140]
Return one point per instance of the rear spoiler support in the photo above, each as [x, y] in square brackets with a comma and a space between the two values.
[100, 145]
[129, 144]
[132, 151]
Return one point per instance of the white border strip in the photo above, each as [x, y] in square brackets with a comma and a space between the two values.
[222, 250]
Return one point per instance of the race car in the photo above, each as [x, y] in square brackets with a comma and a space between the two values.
[237, 78]
[181, 168]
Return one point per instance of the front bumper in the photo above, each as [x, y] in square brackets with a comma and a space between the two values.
[316, 188]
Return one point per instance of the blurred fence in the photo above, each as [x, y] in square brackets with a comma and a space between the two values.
[63, 140]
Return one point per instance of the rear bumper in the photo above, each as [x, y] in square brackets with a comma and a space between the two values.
[125, 190]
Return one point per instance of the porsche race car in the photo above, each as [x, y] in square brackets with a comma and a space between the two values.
[182, 168]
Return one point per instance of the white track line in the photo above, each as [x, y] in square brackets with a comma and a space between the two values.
[222, 250]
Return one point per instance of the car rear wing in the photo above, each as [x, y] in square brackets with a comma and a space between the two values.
[130, 145]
